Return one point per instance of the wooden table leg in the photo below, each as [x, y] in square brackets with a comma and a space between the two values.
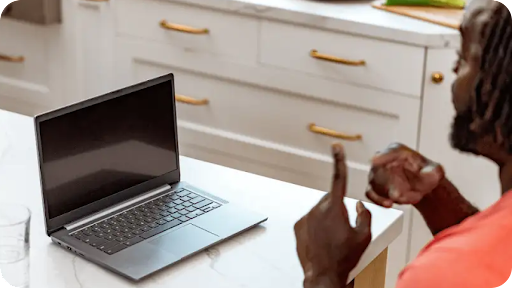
[374, 275]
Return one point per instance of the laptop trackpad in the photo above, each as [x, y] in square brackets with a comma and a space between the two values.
[185, 241]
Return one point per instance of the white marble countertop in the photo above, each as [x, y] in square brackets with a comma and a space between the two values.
[354, 17]
[263, 257]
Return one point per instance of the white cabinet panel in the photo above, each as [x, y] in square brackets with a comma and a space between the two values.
[216, 34]
[93, 47]
[387, 65]
[23, 63]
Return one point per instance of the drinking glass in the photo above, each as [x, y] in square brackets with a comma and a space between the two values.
[14, 244]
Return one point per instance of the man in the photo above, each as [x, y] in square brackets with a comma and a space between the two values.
[471, 249]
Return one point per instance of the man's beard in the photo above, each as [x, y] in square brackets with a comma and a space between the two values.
[462, 137]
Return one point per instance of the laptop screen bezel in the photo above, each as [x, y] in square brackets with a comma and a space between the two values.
[57, 223]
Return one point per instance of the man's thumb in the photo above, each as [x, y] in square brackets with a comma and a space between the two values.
[364, 219]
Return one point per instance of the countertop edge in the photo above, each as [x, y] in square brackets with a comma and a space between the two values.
[380, 243]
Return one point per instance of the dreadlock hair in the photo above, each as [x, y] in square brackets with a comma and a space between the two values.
[492, 109]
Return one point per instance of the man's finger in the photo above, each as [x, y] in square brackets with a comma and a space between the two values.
[379, 181]
[399, 185]
[414, 164]
[379, 200]
[339, 178]
[302, 240]
[400, 189]
[392, 153]
[384, 158]
[412, 197]
[364, 219]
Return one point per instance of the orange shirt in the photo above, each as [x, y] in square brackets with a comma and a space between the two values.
[474, 254]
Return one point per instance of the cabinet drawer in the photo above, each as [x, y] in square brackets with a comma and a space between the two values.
[253, 156]
[192, 29]
[342, 57]
[22, 55]
[293, 121]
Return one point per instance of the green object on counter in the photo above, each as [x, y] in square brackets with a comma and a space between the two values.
[434, 3]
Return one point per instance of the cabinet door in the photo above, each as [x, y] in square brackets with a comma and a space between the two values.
[93, 47]
[476, 178]
[24, 79]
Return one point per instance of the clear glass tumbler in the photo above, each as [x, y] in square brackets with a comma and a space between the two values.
[14, 244]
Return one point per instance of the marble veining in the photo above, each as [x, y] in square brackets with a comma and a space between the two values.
[75, 272]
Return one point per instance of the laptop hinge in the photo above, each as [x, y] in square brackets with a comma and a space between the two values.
[116, 208]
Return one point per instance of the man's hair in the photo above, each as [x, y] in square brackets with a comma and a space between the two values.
[492, 110]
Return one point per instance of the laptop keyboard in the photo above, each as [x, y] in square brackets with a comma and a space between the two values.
[145, 221]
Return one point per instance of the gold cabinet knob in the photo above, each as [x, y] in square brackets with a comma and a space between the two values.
[437, 77]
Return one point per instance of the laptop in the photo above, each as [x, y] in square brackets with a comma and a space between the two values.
[110, 178]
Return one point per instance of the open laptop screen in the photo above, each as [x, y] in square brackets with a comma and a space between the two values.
[97, 151]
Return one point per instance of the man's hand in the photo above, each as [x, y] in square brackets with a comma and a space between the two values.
[403, 176]
[327, 245]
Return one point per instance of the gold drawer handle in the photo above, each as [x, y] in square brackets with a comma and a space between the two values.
[182, 28]
[315, 54]
[191, 101]
[437, 77]
[331, 133]
[13, 59]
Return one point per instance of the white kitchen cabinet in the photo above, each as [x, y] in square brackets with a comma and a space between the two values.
[343, 57]
[193, 29]
[93, 47]
[475, 177]
[24, 56]
[43, 67]
[267, 117]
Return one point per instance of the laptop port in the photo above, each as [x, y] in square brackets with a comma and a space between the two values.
[69, 248]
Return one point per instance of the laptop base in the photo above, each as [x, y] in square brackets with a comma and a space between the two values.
[170, 246]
